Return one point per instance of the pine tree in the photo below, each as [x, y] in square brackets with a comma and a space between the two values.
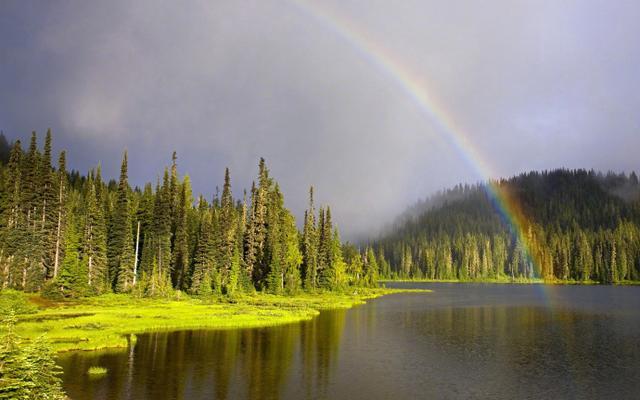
[125, 278]
[162, 225]
[256, 261]
[310, 247]
[180, 254]
[292, 257]
[144, 216]
[120, 253]
[326, 262]
[12, 231]
[370, 269]
[73, 278]
[60, 211]
[49, 207]
[356, 270]
[95, 241]
[337, 276]
[27, 371]
[275, 245]
[203, 258]
[228, 236]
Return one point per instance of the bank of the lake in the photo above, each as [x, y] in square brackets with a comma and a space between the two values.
[113, 320]
[471, 341]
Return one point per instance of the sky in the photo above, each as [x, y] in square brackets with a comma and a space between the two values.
[533, 84]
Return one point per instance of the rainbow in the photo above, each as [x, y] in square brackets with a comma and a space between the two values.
[416, 87]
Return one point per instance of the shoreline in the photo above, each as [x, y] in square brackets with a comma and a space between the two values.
[112, 321]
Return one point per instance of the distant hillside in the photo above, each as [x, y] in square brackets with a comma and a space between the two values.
[578, 225]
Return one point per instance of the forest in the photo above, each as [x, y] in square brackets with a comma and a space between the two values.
[578, 226]
[67, 234]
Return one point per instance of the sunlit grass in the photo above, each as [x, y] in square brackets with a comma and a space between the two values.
[110, 320]
[97, 371]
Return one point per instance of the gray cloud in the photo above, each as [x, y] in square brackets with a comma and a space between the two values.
[536, 84]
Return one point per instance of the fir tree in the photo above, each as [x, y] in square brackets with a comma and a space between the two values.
[120, 253]
[180, 261]
[228, 235]
[27, 371]
[310, 247]
[95, 242]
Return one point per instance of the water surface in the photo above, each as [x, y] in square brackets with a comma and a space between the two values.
[463, 341]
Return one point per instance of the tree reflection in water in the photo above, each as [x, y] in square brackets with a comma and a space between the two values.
[220, 364]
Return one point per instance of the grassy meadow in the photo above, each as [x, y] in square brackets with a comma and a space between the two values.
[113, 320]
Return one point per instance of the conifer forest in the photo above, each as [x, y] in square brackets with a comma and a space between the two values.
[580, 226]
[69, 234]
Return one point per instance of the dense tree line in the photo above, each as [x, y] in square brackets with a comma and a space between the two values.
[71, 235]
[576, 225]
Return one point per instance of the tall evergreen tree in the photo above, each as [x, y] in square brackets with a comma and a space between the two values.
[180, 254]
[120, 243]
[228, 236]
[310, 247]
[95, 241]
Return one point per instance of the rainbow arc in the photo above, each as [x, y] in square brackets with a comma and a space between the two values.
[416, 87]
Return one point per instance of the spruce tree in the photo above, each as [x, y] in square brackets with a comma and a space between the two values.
[162, 225]
[180, 254]
[27, 371]
[49, 210]
[60, 211]
[228, 235]
[203, 258]
[95, 241]
[370, 269]
[73, 278]
[310, 247]
[120, 253]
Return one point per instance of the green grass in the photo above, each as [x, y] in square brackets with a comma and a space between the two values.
[112, 320]
[97, 371]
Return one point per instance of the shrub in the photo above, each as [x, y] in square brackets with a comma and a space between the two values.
[16, 301]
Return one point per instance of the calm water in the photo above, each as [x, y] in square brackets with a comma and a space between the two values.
[463, 341]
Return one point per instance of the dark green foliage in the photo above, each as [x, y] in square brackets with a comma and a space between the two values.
[5, 149]
[95, 242]
[310, 247]
[73, 279]
[72, 235]
[119, 247]
[575, 225]
[13, 300]
[180, 254]
[27, 371]
[204, 254]
[370, 273]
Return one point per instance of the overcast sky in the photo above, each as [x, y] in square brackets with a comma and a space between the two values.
[536, 85]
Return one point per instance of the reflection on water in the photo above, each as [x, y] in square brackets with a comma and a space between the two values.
[224, 364]
[462, 341]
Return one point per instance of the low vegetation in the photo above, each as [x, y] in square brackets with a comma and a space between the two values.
[97, 371]
[27, 367]
[112, 320]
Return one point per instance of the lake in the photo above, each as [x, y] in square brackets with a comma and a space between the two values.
[463, 341]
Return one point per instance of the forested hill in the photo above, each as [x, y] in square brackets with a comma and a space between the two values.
[578, 225]
[70, 234]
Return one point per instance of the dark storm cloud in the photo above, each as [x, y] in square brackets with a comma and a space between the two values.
[536, 85]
